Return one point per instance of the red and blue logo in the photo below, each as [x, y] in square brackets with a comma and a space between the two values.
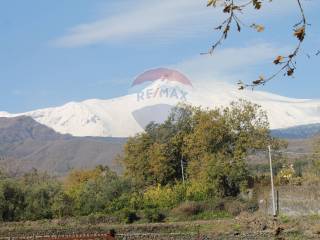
[158, 90]
[161, 83]
[161, 74]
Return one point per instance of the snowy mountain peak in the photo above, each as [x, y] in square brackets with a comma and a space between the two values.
[151, 98]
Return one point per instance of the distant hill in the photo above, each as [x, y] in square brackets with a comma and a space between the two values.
[27, 144]
[298, 132]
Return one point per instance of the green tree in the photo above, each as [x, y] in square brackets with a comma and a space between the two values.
[12, 202]
[221, 139]
[213, 145]
[154, 156]
[39, 200]
[136, 159]
[62, 205]
[96, 194]
[40, 191]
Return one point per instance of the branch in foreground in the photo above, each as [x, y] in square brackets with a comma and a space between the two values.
[287, 63]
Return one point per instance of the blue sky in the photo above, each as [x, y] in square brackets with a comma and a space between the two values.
[53, 52]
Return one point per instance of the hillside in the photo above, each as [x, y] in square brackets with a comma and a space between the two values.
[298, 132]
[26, 144]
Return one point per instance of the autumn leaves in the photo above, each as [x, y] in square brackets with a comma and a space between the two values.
[287, 64]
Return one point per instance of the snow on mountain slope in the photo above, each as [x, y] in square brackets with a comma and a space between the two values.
[4, 114]
[127, 115]
[283, 112]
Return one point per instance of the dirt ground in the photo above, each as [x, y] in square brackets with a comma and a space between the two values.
[245, 226]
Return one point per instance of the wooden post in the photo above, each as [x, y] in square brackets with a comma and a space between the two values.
[272, 186]
[278, 207]
[182, 169]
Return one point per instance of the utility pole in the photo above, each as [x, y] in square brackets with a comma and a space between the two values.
[272, 186]
[278, 207]
[182, 169]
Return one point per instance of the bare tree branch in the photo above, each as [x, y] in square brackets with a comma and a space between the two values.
[287, 63]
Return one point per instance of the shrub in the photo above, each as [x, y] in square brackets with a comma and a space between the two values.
[196, 191]
[234, 207]
[128, 216]
[118, 204]
[252, 206]
[300, 166]
[62, 205]
[286, 174]
[189, 208]
[131, 217]
[160, 197]
[154, 215]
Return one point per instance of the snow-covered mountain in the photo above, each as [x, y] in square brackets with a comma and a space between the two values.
[127, 115]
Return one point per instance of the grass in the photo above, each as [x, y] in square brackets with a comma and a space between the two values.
[284, 218]
[211, 215]
[222, 228]
[202, 215]
[218, 223]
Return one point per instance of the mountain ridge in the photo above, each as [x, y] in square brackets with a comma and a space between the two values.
[118, 117]
[298, 132]
[26, 144]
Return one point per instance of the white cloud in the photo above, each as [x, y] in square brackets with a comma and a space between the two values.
[229, 64]
[145, 18]
[165, 18]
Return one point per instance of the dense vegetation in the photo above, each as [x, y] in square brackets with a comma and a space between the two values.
[190, 164]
